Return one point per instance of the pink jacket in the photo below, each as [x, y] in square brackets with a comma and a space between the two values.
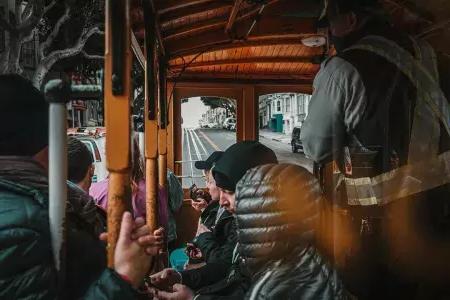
[99, 191]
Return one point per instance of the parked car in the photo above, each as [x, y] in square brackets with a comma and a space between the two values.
[228, 123]
[233, 127]
[296, 143]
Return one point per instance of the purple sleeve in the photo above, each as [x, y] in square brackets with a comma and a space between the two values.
[99, 191]
[139, 201]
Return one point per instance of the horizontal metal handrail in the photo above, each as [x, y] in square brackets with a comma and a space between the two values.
[189, 176]
[185, 161]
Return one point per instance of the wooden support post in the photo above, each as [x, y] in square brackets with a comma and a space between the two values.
[162, 134]
[151, 123]
[250, 114]
[118, 58]
[162, 140]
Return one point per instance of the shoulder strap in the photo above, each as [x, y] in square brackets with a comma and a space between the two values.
[425, 169]
[414, 70]
[425, 130]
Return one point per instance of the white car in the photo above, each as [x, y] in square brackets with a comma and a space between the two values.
[96, 146]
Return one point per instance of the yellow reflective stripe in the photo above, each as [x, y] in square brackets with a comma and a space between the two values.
[402, 182]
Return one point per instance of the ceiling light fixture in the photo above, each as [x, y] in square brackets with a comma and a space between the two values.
[314, 41]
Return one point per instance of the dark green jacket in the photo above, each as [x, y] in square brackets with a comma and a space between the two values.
[26, 263]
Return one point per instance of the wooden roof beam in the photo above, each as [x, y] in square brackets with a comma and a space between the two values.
[241, 78]
[232, 18]
[249, 60]
[196, 28]
[194, 9]
[269, 27]
[158, 29]
[203, 26]
[211, 24]
[251, 42]
[166, 6]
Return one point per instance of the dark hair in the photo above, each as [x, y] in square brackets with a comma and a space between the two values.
[23, 117]
[79, 160]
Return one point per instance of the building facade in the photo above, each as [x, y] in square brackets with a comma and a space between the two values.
[282, 112]
[214, 117]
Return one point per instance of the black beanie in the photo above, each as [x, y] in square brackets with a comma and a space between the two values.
[23, 117]
[238, 159]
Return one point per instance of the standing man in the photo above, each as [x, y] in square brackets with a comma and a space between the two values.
[80, 169]
[378, 106]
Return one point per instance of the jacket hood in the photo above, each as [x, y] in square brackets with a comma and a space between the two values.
[277, 209]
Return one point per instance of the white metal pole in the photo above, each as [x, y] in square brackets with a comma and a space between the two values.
[57, 93]
[57, 177]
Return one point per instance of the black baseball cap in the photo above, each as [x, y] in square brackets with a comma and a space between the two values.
[238, 159]
[209, 162]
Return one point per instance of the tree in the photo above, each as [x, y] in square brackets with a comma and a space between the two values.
[62, 27]
[216, 102]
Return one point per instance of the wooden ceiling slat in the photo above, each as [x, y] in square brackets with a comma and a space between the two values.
[249, 59]
[194, 9]
[251, 42]
[270, 29]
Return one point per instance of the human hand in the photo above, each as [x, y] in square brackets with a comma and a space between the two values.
[166, 278]
[180, 292]
[130, 258]
[193, 251]
[153, 243]
[199, 205]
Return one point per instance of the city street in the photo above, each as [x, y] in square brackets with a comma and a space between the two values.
[198, 144]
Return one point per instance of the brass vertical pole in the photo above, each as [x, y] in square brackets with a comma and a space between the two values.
[117, 93]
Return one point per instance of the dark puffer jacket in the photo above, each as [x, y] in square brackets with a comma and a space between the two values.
[26, 262]
[218, 245]
[277, 213]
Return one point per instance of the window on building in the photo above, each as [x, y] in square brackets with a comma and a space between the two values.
[278, 105]
[288, 105]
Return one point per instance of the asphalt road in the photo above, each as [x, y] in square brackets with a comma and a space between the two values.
[198, 144]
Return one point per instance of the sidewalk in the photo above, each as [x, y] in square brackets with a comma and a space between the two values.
[275, 136]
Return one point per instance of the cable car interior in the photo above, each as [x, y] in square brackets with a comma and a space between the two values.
[226, 49]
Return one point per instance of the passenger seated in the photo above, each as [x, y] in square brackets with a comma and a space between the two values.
[216, 279]
[27, 269]
[216, 235]
[277, 212]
